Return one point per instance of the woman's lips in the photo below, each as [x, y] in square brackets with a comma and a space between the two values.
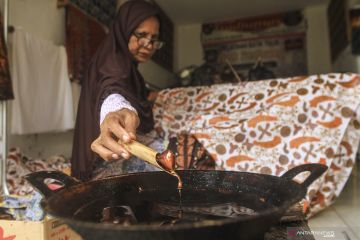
[145, 55]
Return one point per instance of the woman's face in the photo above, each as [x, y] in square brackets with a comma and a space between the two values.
[147, 32]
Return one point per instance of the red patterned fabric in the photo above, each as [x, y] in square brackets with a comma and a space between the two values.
[6, 91]
[18, 165]
[83, 35]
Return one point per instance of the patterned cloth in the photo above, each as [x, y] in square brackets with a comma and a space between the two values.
[23, 207]
[17, 166]
[271, 126]
[24, 203]
[83, 36]
[190, 153]
[102, 11]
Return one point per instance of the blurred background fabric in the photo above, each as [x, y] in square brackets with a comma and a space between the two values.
[6, 91]
[83, 35]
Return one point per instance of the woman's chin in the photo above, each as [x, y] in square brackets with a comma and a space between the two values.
[142, 60]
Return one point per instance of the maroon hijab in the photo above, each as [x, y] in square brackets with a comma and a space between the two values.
[111, 70]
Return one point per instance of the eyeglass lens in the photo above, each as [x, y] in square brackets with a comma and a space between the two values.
[142, 41]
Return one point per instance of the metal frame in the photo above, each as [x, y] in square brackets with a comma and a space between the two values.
[3, 117]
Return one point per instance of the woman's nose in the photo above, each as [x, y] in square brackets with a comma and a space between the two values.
[149, 45]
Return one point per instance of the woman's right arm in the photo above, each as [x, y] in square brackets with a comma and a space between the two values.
[118, 120]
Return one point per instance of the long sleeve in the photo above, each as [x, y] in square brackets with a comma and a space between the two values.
[112, 103]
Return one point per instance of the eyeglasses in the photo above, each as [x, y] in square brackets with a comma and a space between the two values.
[143, 41]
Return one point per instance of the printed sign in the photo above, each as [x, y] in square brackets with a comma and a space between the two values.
[257, 48]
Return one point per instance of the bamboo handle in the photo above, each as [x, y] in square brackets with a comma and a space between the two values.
[143, 152]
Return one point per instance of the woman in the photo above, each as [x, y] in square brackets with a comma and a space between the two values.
[113, 103]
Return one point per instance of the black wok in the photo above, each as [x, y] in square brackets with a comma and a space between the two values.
[246, 204]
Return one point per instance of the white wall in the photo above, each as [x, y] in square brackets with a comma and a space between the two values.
[156, 75]
[188, 49]
[42, 18]
[352, 3]
[318, 44]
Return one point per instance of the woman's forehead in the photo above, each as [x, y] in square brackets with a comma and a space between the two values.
[151, 22]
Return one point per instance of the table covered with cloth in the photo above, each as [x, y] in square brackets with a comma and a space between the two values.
[271, 126]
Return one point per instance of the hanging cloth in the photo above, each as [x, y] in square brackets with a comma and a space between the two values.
[43, 96]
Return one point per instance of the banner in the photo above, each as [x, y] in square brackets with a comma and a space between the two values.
[257, 48]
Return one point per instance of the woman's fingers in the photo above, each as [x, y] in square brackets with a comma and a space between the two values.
[131, 122]
[102, 151]
[122, 124]
[113, 145]
[111, 124]
[116, 125]
[109, 150]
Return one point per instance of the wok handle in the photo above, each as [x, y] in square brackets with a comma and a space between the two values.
[316, 170]
[36, 179]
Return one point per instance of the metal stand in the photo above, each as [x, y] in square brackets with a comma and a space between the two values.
[3, 117]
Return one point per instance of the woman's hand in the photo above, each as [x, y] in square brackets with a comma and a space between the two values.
[119, 125]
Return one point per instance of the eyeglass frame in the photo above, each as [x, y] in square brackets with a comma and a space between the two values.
[149, 41]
